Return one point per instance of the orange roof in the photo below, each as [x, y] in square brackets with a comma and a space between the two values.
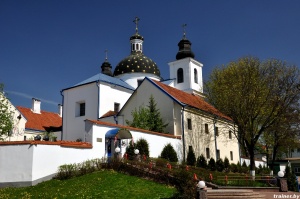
[109, 113]
[191, 100]
[42, 121]
[72, 144]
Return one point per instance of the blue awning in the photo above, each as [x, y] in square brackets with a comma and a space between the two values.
[119, 133]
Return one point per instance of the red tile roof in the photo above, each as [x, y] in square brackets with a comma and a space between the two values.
[191, 100]
[42, 121]
[60, 143]
[109, 113]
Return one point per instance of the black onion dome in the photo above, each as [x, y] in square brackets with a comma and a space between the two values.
[106, 68]
[184, 49]
[137, 36]
[137, 62]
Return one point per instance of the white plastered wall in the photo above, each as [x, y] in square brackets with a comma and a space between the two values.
[200, 140]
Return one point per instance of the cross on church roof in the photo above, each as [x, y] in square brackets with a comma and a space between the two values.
[106, 54]
[183, 27]
[136, 20]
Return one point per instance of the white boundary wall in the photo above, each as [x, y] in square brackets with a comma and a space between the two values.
[28, 163]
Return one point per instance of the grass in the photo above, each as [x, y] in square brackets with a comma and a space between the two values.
[100, 184]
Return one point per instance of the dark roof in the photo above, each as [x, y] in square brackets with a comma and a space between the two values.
[184, 49]
[191, 100]
[137, 62]
[41, 122]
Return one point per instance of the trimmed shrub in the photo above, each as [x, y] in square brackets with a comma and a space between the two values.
[220, 165]
[130, 150]
[290, 178]
[191, 158]
[201, 162]
[226, 164]
[233, 168]
[143, 146]
[212, 164]
[169, 153]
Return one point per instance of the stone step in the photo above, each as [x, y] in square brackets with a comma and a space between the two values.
[232, 194]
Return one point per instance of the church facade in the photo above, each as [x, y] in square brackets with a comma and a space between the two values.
[110, 97]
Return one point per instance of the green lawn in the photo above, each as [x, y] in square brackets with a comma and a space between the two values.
[100, 184]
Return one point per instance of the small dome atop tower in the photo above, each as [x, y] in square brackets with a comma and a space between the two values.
[184, 45]
[136, 62]
[106, 66]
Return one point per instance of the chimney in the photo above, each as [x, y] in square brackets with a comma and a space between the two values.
[36, 106]
[60, 110]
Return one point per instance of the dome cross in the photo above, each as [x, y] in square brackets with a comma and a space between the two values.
[136, 20]
[183, 27]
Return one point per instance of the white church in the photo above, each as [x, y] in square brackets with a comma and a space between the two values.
[111, 96]
[95, 111]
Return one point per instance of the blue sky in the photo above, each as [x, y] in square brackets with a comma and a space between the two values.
[49, 45]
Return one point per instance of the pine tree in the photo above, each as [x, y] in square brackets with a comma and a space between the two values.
[201, 161]
[191, 158]
[169, 153]
[226, 164]
[143, 147]
[155, 121]
[212, 164]
[220, 165]
[148, 118]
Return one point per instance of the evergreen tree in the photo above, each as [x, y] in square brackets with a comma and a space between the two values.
[6, 115]
[169, 153]
[143, 147]
[220, 165]
[191, 158]
[155, 121]
[290, 178]
[226, 163]
[130, 150]
[148, 118]
[212, 164]
[201, 162]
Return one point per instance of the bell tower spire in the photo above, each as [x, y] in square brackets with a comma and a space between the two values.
[184, 46]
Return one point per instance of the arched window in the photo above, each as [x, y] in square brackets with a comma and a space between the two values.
[195, 76]
[180, 75]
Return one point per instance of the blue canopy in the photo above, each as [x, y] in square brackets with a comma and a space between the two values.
[119, 133]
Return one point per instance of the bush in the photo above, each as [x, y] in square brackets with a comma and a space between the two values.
[169, 153]
[212, 164]
[130, 150]
[233, 168]
[201, 162]
[220, 165]
[143, 146]
[185, 185]
[226, 164]
[191, 158]
[244, 168]
[290, 178]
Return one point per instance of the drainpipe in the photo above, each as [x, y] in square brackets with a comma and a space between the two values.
[62, 115]
[182, 126]
[216, 147]
[98, 105]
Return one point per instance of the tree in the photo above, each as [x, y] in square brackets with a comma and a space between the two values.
[201, 161]
[6, 115]
[155, 121]
[169, 153]
[255, 95]
[143, 147]
[148, 118]
[191, 158]
[220, 165]
[212, 164]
